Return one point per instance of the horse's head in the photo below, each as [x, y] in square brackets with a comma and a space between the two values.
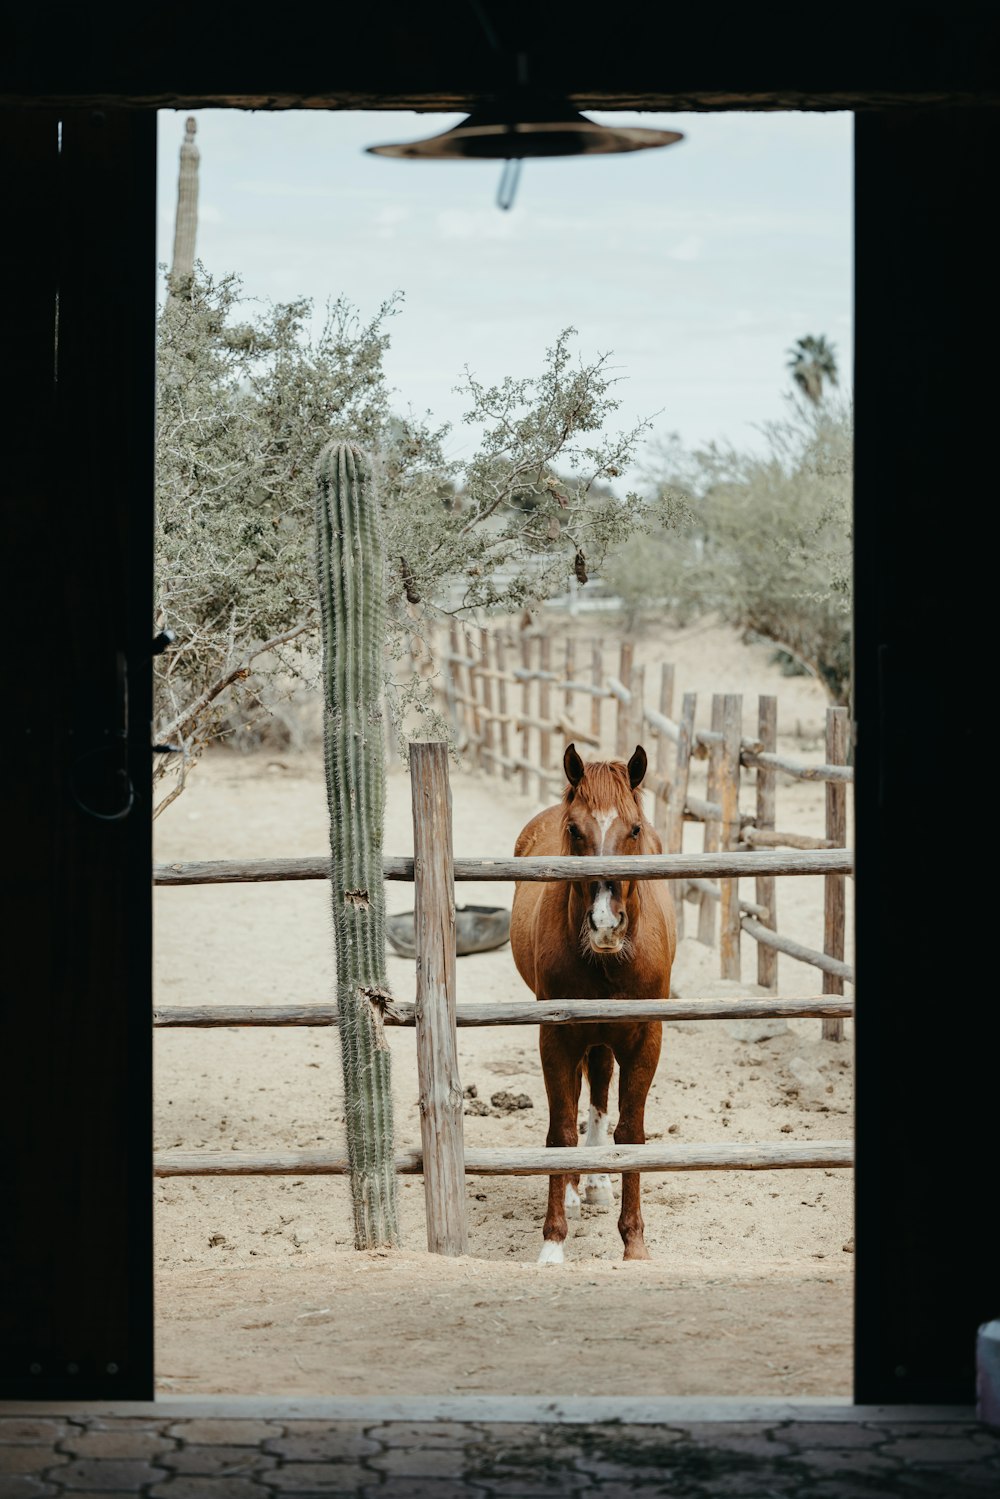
[602, 814]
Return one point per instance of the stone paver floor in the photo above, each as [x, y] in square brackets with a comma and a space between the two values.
[108, 1457]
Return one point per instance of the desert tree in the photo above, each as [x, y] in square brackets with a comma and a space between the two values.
[766, 546]
[247, 396]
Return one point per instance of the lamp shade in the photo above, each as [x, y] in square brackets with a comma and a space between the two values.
[521, 125]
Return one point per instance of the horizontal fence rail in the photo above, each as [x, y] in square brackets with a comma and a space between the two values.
[805, 1155]
[515, 1012]
[821, 861]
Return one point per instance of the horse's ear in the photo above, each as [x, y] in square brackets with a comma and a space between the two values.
[572, 765]
[637, 767]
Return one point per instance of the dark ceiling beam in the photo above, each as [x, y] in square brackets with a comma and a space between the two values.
[437, 55]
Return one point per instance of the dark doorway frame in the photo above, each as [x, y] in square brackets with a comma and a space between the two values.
[77, 125]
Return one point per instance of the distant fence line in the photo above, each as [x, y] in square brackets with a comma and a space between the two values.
[512, 709]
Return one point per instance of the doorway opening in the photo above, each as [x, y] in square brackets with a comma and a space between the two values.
[700, 309]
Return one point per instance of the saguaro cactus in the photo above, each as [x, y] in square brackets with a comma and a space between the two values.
[351, 573]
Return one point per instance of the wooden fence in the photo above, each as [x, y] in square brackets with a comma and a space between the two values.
[435, 1016]
[478, 674]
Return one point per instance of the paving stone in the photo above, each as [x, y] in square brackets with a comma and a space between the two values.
[600, 1470]
[526, 1488]
[31, 1429]
[228, 1433]
[664, 1485]
[842, 1434]
[320, 1478]
[825, 1460]
[407, 1488]
[124, 1423]
[324, 1443]
[421, 1462]
[942, 1483]
[129, 1442]
[221, 1461]
[634, 1436]
[108, 1473]
[432, 1433]
[847, 1487]
[749, 1438]
[28, 1459]
[24, 1486]
[962, 1449]
[200, 1487]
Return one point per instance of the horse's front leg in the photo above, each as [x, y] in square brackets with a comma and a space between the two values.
[562, 1072]
[600, 1066]
[637, 1069]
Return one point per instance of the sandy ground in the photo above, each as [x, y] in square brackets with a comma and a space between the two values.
[258, 1286]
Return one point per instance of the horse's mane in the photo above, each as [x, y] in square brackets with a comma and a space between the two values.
[605, 784]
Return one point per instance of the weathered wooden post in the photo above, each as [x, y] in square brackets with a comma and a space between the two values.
[544, 707]
[678, 798]
[765, 891]
[834, 893]
[662, 766]
[624, 712]
[569, 668]
[525, 714]
[638, 707]
[454, 686]
[597, 678]
[706, 908]
[441, 1102]
[472, 687]
[489, 722]
[500, 659]
[729, 795]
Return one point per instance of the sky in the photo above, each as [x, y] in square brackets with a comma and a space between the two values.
[697, 266]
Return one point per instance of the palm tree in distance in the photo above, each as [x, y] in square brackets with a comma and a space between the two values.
[812, 361]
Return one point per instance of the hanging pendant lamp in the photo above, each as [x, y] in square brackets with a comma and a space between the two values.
[521, 124]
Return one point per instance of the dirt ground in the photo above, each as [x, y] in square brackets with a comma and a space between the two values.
[259, 1290]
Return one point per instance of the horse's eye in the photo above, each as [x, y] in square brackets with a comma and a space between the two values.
[574, 831]
[635, 831]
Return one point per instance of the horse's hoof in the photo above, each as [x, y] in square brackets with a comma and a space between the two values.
[636, 1252]
[552, 1253]
[572, 1203]
[597, 1192]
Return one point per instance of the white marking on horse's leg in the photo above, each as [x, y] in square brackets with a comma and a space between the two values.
[597, 1185]
[552, 1253]
[572, 1201]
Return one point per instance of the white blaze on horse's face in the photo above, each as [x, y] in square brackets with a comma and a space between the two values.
[606, 919]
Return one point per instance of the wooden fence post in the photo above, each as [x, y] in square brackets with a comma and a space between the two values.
[834, 895]
[500, 661]
[544, 708]
[678, 798]
[454, 686]
[597, 678]
[637, 707]
[569, 675]
[706, 908]
[472, 685]
[441, 1101]
[489, 722]
[624, 714]
[730, 931]
[765, 891]
[661, 812]
[525, 715]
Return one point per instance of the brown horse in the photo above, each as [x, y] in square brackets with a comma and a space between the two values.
[595, 939]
